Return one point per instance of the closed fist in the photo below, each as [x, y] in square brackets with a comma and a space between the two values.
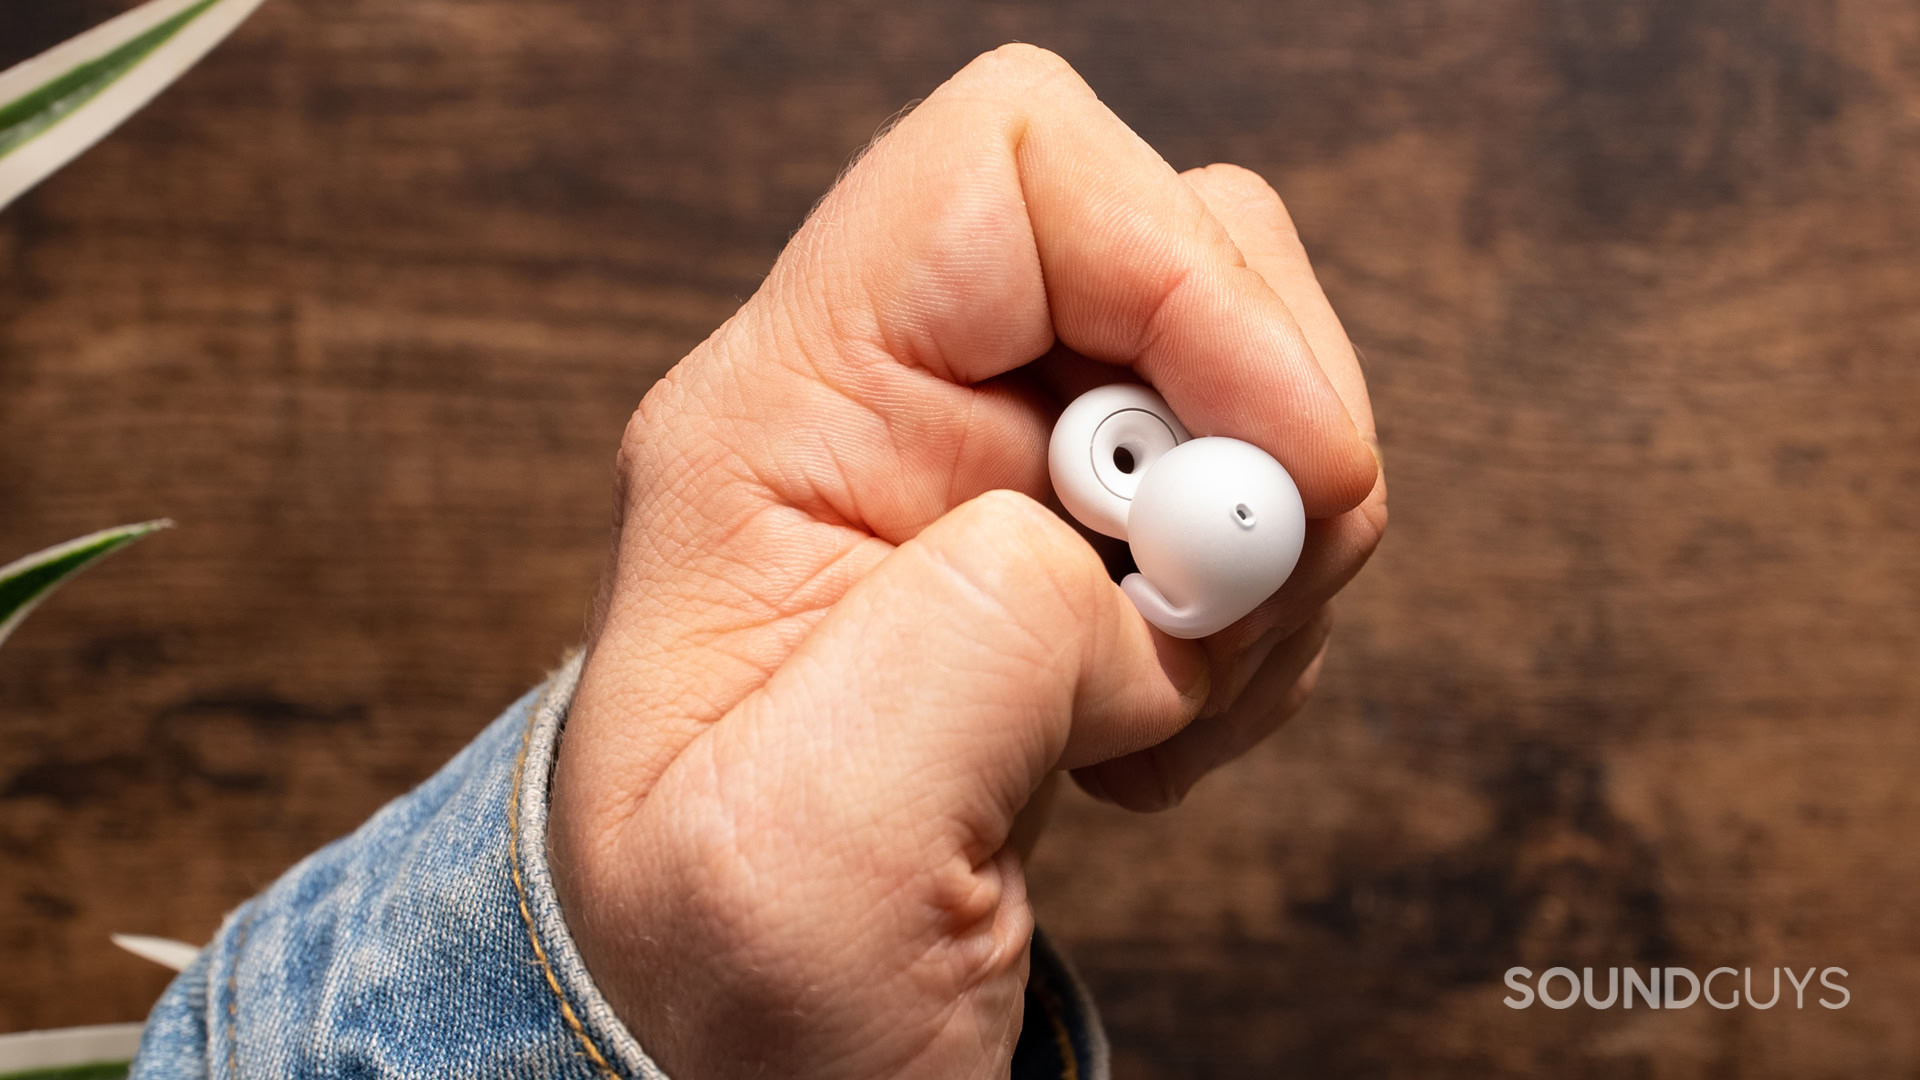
[842, 643]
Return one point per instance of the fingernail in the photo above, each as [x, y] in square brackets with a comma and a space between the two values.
[1180, 776]
[1255, 656]
[1173, 789]
[1185, 664]
[1089, 781]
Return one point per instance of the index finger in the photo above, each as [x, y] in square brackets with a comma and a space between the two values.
[1013, 209]
[1261, 227]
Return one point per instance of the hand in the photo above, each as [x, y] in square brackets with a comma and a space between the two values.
[843, 643]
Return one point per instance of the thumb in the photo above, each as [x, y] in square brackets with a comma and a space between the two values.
[870, 786]
[975, 659]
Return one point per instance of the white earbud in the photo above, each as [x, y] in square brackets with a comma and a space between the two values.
[1215, 524]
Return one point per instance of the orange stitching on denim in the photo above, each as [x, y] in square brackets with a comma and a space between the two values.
[1062, 1038]
[233, 997]
[526, 914]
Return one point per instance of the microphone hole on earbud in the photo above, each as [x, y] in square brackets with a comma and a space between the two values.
[1123, 459]
[1244, 515]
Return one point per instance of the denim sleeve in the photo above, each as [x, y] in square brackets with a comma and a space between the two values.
[430, 943]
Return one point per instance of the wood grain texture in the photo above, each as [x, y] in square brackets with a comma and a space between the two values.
[365, 300]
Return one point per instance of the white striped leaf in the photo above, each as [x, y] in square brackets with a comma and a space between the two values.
[57, 104]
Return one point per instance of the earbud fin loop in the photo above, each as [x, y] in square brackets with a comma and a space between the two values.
[1215, 521]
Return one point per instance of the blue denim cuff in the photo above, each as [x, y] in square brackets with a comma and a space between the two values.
[430, 943]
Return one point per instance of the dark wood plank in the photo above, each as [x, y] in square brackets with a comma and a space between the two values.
[365, 300]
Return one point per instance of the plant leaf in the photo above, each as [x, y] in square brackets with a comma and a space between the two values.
[57, 104]
[23, 118]
[168, 953]
[80, 1053]
[26, 582]
[105, 1070]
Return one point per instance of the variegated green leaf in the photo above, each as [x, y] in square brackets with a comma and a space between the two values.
[106, 1070]
[100, 1052]
[26, 582]
[57, 104]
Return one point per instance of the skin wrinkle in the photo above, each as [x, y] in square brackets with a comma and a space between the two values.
[959, 917]
[974, 976]
[678, 508]
[845, 503]
[916, 814]
[980, 224]
[1153, 329]
[715, 545]
[805, 498]
[821, 301]
[757, 606]
[1046, 743]
[1035, 638]
[717, 548]
[846, 487]
[745, 859]
[1115, 706]
[858, 545]
[706, 833]
[1057, 583]
[1240, 423]
[960, 451]
[1122, 220]
[999, 652]
[688, 705]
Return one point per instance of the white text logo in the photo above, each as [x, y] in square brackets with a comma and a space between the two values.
[1670, 988]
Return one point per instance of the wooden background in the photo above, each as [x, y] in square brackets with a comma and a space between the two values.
[365, 300]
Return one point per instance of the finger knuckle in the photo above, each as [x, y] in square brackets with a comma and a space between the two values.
[1251, 190]
[1020, 67]
[1239, 178]
[657, 411]
[1039, 531]
[1374, 512]
[1006, 508]
[1014, 549]
[1301, 691]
